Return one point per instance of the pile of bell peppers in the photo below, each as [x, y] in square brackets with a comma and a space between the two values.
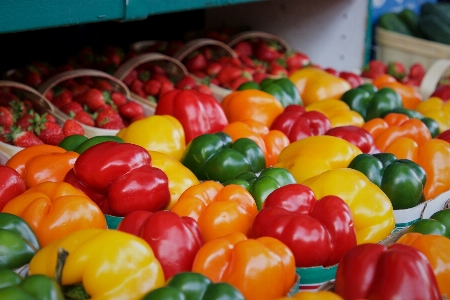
[226, 199]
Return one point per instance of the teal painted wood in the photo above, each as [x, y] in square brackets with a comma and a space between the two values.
[23, 15]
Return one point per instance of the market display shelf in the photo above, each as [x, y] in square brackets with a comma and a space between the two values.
[31, 15]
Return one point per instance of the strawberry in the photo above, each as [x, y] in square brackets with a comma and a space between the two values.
[130, 110]
[332, 71]
[259, 76]
[130, 77]
[228, 74]
[51, 133]
[237, 82]
[26, 122]
[247, 61]
[229, 61]
[71, 127]
[62, 97]
[277, 70]
[32, 78]
[79, 89]
[186, 83]
[118, 98]
[377, 65]
[103, 85]
[203, 88]
[108, 115]
[152, 87]
[84, 118]
[166, 86]
[417, 71]
[397, 70]
[72, 108]
[6, 117]
[94, 99]
[243, 49]
[137, 87]
[411, 81]
[266, 50]
[296, 60]
[371, 73]
[24, 139]
[195, 61]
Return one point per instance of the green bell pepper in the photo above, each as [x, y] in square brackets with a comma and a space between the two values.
[370, 104]
[33, 287]
[438, 223]
[402, 180]
[216, 157]
[260, 186]
[281, 88]
[79, 143]
[18, 242]
[194, 286]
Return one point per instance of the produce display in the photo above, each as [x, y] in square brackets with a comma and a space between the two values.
[301, 182]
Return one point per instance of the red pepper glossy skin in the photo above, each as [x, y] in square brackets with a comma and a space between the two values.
[317, 232]
[174, 240]
[298, 124]
[374, 271]
[11, 185]
[197, 112]
[358, 136]
[120, 179]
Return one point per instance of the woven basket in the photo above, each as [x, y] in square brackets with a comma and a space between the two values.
[117, 85]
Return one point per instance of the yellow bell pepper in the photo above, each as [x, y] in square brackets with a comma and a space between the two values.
[180, 177]
[161, 133]
[315, 84]
[314, 295]
[436, 109]
[337, 111]
[110, 264]
[371, 208]
[313, 155]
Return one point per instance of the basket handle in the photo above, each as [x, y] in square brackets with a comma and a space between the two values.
[194, 44]
[257, 34]
[432, 77]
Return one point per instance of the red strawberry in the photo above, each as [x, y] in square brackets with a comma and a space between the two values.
[131, 109]
[52, 134]
[411, 81]
[108, 115]
[166, 87]
[247, 61]
[229, 61]
[277, 70]
[24, 139]
[61, 98]
[371, 73]
[377, 65]
[103, 85]
[48, 118]
[137, 118]
[417, 71]
[71, 127]
[130, 77]
[152, 87]
[397, 70]
[259, 76]
[243, 48]
[72, 108]
[195, 61]
[6, 117]
[84, 118]
[234, 84]
[79, 89]
[32, 78]
[137, 87]
[228, 74]
[94, 99]
[296, 60]
[267, 50]
[203, 88]
[26, 122]
[186, 83]
[118, 98]
[332, 71]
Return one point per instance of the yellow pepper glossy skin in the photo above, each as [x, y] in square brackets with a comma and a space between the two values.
[110, 264]
[313, 155]
[315, 84]
[180, 177]
[338, 112]
[161, 133]
[436, 109]
[371, 208]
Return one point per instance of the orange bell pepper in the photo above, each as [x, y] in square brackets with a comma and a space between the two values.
[271, 142]
[394, 126]
[42, 163]
[410, 96]
[262, 269]
[56, 209]
[337, 111]
[315, 84]
[219, 210]
[314, 295]
[436, 249]
[434, 157]
[251, 104]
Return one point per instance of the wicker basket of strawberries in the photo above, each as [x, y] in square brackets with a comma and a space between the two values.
[100, 102]
[27, 119]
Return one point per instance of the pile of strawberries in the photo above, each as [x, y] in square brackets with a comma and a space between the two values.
[94, 102]
[22, 125]
[151, 81]
[412, 75]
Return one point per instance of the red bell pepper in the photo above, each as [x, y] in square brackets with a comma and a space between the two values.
[317, 232]
[120, 179]
[11, 185]
[374, 271]
[298, 124]
[358, 136]
[197, 112]
[354, 79]
[174, 240]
